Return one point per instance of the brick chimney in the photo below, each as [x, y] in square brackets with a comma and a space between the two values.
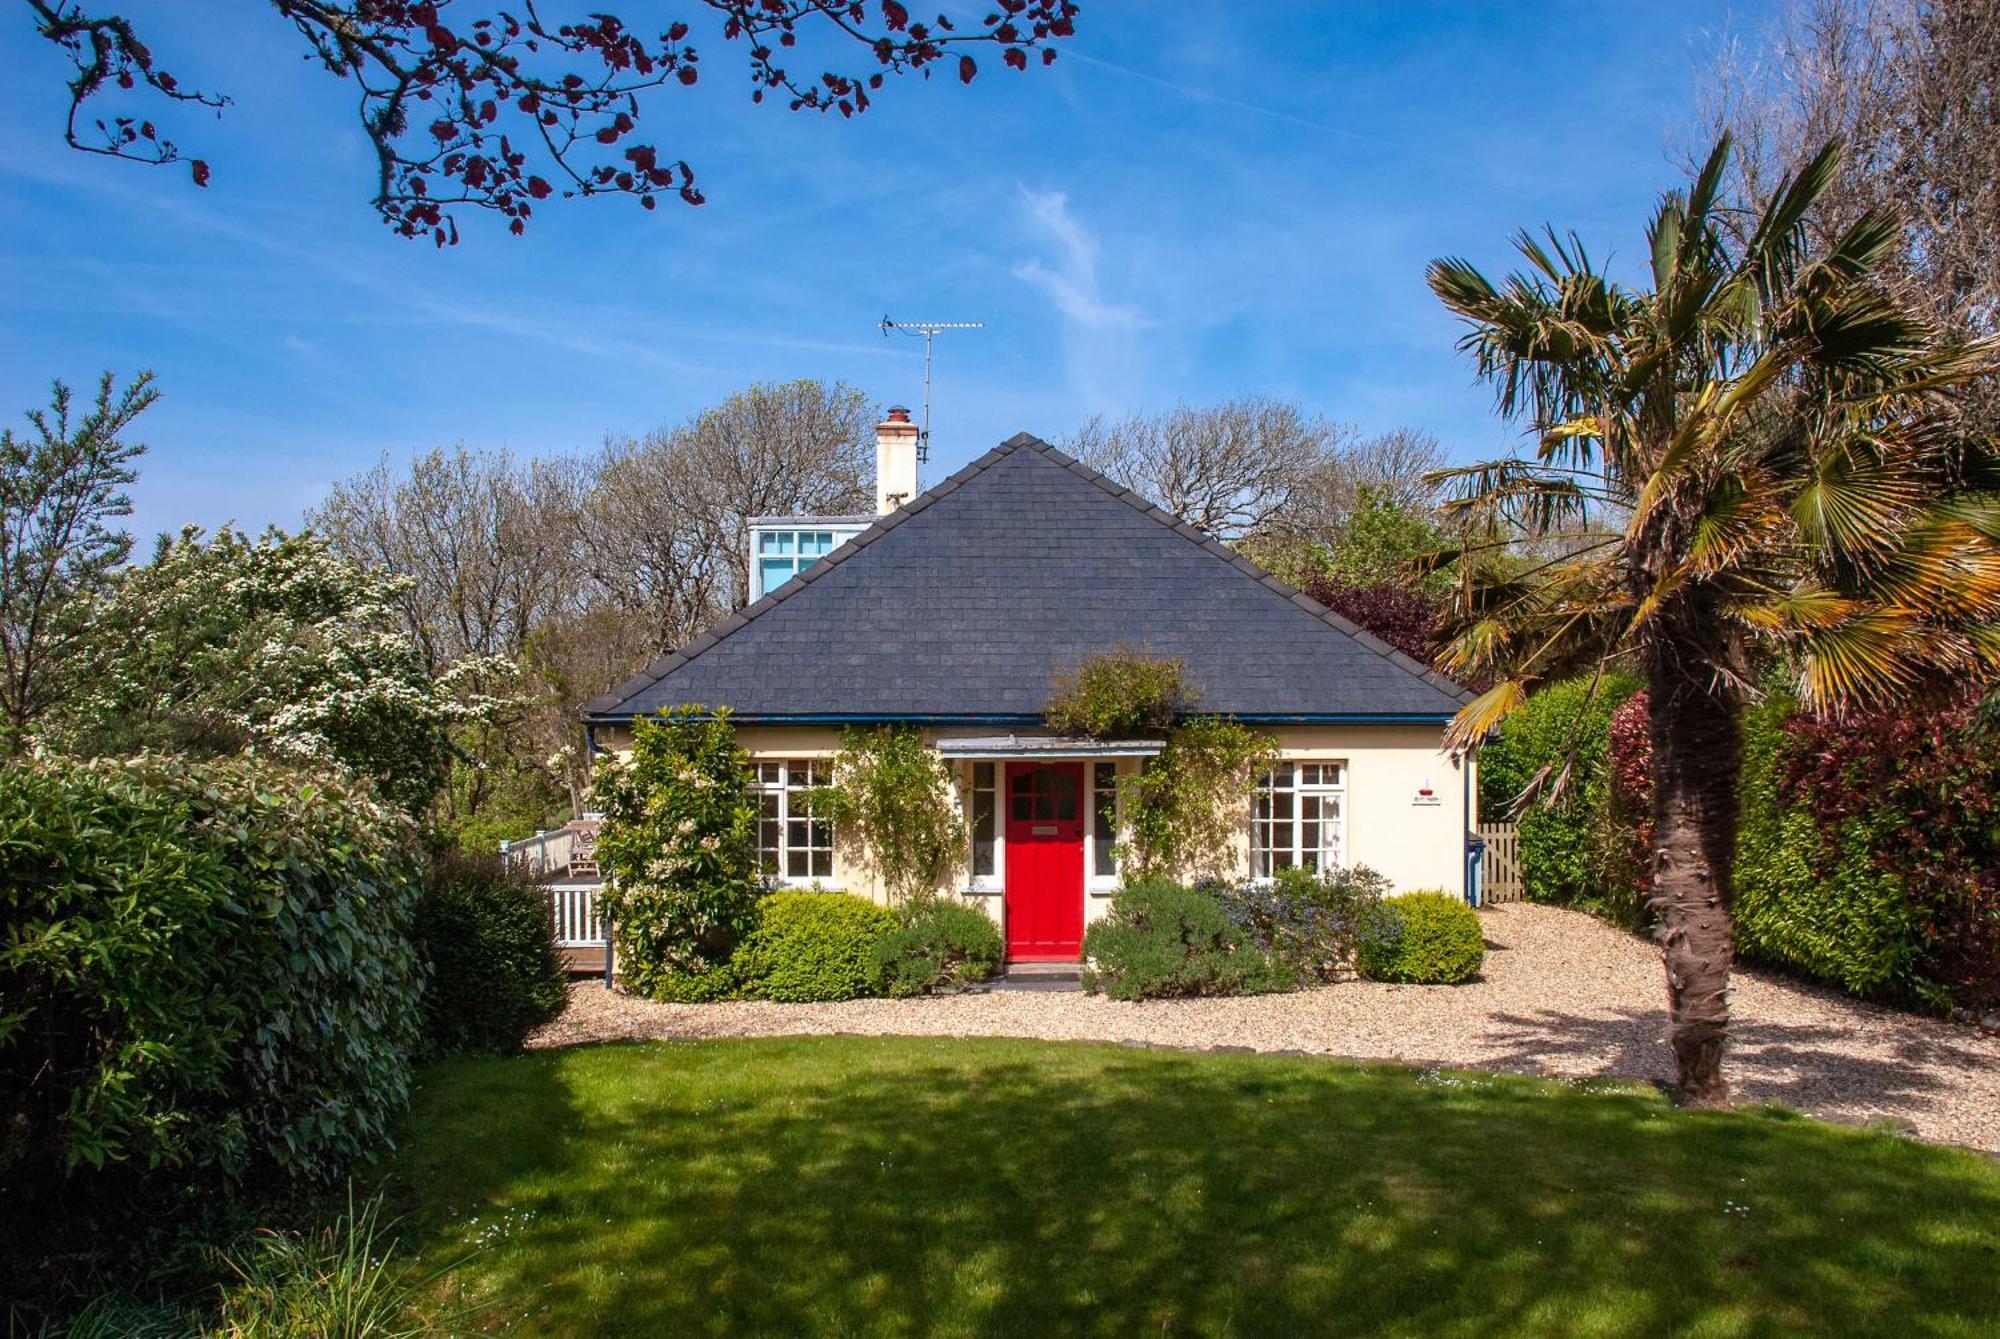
[895, 461]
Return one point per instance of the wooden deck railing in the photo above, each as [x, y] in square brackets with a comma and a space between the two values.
[575, 913]
[567, 854]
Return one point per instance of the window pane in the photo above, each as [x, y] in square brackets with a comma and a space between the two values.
[1068, 797]
[795, 865]
[982, 828]
[1103, 834]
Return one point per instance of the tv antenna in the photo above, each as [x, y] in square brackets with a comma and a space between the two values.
[928, 330]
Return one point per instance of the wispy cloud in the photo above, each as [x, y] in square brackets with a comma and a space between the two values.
[1071, 282]
[1210, 99]
[1098, 334]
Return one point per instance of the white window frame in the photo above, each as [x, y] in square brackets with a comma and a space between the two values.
[996, 880]
[1326, 855]
[1102, 884]
[784, 785]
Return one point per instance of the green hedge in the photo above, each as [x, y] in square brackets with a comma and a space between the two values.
[1429, 938]
[208, 971]
[1813, 898]
[812, 946]
[938, 945]
[495, 971]
[1163, 939]
[1565, 851]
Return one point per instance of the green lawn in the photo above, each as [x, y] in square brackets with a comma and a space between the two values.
[916, 1186]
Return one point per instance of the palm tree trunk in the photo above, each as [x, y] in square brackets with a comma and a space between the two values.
[1697, 753]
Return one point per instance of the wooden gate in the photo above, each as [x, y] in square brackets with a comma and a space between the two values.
[1500, 869]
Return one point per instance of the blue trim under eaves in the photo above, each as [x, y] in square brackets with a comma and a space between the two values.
[974, 718]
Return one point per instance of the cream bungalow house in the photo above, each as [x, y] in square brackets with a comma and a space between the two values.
[955, 608]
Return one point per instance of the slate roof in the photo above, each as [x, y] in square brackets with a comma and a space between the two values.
[965, 602]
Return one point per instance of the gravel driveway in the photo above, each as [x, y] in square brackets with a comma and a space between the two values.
[1562, 994]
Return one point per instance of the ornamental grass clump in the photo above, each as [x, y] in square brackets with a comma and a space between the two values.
[1429, 938]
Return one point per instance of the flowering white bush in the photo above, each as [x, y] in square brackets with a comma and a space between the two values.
[276, 646]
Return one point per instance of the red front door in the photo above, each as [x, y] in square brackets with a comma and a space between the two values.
[1044, 862]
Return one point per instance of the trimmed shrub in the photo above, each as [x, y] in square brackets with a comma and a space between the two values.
[1628, 816]
[210, 982]
[1164, 939]
[811, 947]
[1310, 922]
[1429, 938]
[1563, 844]
[678, 848]
[939, 945]
[495, 972]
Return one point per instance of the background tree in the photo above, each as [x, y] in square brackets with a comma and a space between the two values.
[59, 486]
[561, 577]
[1908, 86]
[485, 552]
[668, 521]
[1766, 444]
[1230, 469]
[495, 108]
[486, 545]
[1391, 470]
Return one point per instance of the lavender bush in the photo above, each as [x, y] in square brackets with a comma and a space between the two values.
[1312, 922]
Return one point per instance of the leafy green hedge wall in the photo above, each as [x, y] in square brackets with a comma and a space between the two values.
[207, 967]
[1564, 846]
[1868, 852]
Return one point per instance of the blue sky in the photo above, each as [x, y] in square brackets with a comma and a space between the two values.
[1199, 200]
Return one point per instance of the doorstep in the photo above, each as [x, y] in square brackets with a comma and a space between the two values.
[1049, 976]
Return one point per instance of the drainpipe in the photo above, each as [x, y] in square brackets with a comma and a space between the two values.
[1461, 762]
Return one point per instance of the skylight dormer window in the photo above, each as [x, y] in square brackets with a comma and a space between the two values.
[783, 547]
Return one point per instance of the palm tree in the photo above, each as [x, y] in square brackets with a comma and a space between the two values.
[1755, 463]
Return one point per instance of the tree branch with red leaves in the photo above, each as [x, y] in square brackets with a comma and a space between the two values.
[500, 108]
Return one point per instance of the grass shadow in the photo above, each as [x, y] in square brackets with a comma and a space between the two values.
[913, 1186]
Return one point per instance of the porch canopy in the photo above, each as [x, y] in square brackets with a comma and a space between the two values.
[1001, 747]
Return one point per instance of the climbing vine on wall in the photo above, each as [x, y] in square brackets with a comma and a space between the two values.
[893, 795]
[1185, 810]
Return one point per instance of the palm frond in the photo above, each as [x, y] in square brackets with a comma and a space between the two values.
[1854, 505]
[1478, 717]
[1804, 608]
[1771, 257]
[1869, 657]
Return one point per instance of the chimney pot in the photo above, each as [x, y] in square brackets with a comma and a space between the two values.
[895, 460]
